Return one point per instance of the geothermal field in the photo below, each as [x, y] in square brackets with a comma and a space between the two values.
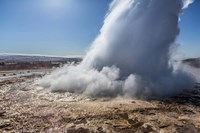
[27, 107]
[128, 81]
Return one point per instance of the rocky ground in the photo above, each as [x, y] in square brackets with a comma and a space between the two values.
[26, 107]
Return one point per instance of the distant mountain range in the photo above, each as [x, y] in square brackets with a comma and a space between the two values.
[195, 62]
[4, 57]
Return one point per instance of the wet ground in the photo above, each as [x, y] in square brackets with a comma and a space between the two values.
[26, 107]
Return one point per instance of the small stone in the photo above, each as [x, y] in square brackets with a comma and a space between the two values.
[2, 113]
[124, 116]
[133, 102]
[99, 129]
[80, 130]
[4, 125]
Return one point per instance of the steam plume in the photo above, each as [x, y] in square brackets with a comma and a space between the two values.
[131, 54]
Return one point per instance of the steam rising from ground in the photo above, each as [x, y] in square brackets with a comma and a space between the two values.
[131, 56]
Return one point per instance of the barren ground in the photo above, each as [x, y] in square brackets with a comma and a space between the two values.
[26, 107]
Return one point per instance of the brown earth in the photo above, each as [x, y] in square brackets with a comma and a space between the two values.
[26, 107]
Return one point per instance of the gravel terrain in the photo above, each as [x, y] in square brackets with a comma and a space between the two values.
[26, 107]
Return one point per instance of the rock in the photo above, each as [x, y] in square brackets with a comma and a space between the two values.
[147, 128]
[80, 121]
[164, 125]
[4, 125]
[124, 116]
[99, 129]
[133, 102]
[80, 130]
[2, 113]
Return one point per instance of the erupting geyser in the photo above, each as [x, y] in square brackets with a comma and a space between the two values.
[131, 55]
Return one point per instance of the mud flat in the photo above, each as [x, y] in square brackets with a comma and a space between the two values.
[26, 107]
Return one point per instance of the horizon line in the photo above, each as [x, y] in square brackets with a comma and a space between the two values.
[60, 56]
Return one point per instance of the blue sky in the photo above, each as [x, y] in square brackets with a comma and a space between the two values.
[68, 27]
[189, 38]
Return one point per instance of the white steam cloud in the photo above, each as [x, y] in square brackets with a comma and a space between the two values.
[186, 3]
[131, 55]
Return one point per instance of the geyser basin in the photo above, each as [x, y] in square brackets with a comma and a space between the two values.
[131, 55]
